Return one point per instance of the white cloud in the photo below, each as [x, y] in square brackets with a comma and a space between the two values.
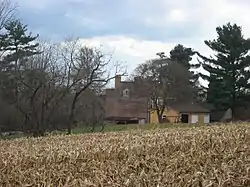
[208, 14]
[133, 51]
[177, 15]
[204, 16]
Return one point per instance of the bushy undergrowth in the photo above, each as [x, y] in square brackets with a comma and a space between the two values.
[202, 156]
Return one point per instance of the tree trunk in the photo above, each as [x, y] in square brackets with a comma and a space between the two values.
[42, 124]
[94, 121]
[72, 113]
[103, 127]
[159, 116]
[71, 120]
[160, 113]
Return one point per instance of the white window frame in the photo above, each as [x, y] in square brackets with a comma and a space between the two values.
[160, 101]
[125, 93]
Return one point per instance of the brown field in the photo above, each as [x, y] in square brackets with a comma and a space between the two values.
[202, 156]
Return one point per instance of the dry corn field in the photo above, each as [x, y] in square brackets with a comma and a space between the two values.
[202, 156]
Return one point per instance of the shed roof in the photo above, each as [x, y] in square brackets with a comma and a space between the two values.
[189, 108]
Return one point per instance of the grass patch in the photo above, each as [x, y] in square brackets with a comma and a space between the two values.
[117, 128]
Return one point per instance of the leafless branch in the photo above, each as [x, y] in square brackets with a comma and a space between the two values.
[7, 12]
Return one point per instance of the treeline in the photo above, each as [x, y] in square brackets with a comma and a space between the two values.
[46, 86]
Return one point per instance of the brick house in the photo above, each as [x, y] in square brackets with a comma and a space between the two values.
[126, 103]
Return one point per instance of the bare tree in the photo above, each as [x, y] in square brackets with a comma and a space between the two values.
[38, 77]
[7, 12]
[53, 86]
[167, 82]
[85, 68]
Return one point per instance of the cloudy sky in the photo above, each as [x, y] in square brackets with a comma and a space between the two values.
[134, 29]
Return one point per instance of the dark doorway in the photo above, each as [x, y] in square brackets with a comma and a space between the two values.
[132, 121]
[184, 118]
[164, 118]
[126, 122]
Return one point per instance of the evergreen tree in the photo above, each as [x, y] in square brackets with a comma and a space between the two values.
[17, 43]
[229, 68]
[183, 55]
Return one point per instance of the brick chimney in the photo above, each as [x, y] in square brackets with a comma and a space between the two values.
[118, 79]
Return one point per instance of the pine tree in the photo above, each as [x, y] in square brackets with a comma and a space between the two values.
[228, 69]
[183, 55]
[16, 45]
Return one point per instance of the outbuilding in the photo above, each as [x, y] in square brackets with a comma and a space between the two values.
[183, 113]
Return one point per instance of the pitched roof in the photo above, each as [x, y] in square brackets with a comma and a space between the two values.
[189, 107]
[125, 108]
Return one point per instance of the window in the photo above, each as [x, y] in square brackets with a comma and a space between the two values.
[126, 93]
[160, 101]
[152, 104]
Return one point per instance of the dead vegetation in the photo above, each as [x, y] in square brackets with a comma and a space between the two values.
[203, 156]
